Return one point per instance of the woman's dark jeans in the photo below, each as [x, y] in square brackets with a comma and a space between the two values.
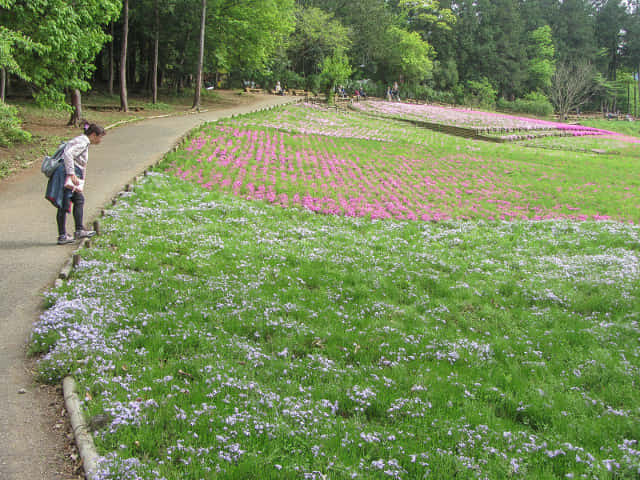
[77, 198]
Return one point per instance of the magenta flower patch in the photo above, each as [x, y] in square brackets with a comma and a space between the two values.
[508, 127]
[373, 179]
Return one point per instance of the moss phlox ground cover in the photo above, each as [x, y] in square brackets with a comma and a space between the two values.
[483, 122]
[397, 178]
[224, 336]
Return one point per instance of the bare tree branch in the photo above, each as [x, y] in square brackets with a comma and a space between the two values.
[572, 85]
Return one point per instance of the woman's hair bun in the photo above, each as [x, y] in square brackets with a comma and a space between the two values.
[90, 128]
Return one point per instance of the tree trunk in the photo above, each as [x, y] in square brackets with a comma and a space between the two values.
[154, 81]
[124, 106]
[111, 60]
[76, 104]
[132, 67]
[196, 99]
[3, 83]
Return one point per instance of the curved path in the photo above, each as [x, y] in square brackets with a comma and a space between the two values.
[31, 445]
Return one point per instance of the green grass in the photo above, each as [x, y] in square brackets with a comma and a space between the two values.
[620, 126]
[227, 338]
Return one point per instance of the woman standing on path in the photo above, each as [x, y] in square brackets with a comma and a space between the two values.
[67, 183]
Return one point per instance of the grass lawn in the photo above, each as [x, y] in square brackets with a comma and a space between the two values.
[218, 334]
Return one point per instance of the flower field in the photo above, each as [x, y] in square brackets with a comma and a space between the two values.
[233, 339]
[334, 169]
[507, 127]
[269, 303]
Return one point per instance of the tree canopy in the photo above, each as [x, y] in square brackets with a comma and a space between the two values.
[62, 40]
[442, 47]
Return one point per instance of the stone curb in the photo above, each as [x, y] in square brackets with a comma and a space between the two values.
[83, 438]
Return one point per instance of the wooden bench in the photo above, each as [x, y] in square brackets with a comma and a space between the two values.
[298, 93]
[253, 90]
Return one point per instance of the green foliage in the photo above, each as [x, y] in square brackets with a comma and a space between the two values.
[335, 70]
[610, 31]
[430, 19]
[291, 79]
[408, 56]
[541, 63]
[480, 93]
[428, 94]
[534, 103]
[244, 36]
[317, 36]
[445, 74]
[71, 35]
[11, 43]
[492, 35]
[10, 127]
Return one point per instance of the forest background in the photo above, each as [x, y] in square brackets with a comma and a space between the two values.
[530, 56]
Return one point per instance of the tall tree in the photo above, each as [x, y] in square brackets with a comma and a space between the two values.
[156, 48]
[632, 42]
[572, 85]
[317, 35]
[196, 99]
[12, 42]
[610, 24]
[574, 31]
[409, 57]
[541, 62]
[111, 60]
[124, 104]
[370, 20]
[71, 35]
[492, 44]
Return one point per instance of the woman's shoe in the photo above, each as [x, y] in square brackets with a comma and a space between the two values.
[65, 239]
[84, 234]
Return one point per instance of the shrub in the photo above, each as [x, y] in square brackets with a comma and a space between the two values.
[534, 103]
[10, 126]
[291, 79]
[480, 93]
[428, 94]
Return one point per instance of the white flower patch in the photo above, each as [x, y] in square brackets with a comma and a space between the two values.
[127, 414]
[454, 351]
[409, 407]
[113, 466]
[361, 396]
[616, 267]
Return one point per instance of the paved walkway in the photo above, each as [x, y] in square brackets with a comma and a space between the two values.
[30, 447]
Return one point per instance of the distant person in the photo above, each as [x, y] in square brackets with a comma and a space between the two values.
[395, 92]
[278, 88]
[66, 185]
